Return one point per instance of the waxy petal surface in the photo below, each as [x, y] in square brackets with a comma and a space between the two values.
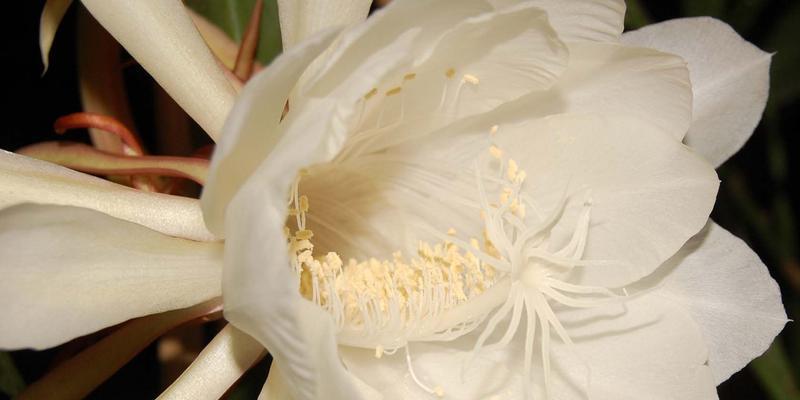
[730, 80]
[71, 271]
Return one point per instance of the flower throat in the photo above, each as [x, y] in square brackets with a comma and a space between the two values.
[386, 304]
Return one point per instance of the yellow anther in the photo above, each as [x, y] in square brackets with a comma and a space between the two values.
[450, 72]
[471, 79]
[521, 175]
[305, 257]
[286, 231]
[514, 206]
[304, 203]
[371, 93]
[304, 234]
[393, 91]
[504, 198]
[496, 152]
[493, 130]
[451, 232]
[409, 76]
[379, 351]
[439, 391]
[520, 212]
[513, 168]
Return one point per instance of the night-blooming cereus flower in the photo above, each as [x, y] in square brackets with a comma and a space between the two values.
[491, 199]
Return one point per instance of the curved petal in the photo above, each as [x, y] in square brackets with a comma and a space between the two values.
[478, 64]
[729, 293]
[650, 349]
[221, 363]
[612, 79]
[70, 271]
[730, 80]
[52, 14]
[302, 19]
[27, 180]
[592, 20]
[162, 38]
[426, 20]
[252, 128]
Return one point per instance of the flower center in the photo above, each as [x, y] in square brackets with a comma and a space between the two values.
[385, 304]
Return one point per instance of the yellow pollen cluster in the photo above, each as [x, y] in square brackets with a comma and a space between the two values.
[373, 294]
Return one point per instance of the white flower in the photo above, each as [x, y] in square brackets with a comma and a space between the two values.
[402, 125]
[527, 125]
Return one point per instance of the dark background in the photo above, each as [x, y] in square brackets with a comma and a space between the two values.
[758, 197]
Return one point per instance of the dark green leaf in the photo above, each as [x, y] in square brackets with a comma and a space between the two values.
[775, 373]
[11, 382]
[786, 62]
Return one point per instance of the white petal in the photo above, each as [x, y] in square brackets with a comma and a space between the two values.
[275, 387]
[426, 20]
[653, 350]
[70, 271]
[593, 20]
[251, 131]
[302, 19]
[52, 14]
[649, 193]
[730, 294]
[612, 79]
[221, 363]
[730, 80]
[650, 350]
[27, 180]
[163, 39]
[480, 63]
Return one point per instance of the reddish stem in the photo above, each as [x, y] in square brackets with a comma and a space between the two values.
[247, 50]
[103, 122]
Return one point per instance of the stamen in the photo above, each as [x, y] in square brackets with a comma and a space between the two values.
[371, 93]
[449, 72]
[438, 390]
[409, 76]
[393, 91]
[496, 152]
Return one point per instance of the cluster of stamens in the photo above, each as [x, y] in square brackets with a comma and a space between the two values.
[374, 296]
